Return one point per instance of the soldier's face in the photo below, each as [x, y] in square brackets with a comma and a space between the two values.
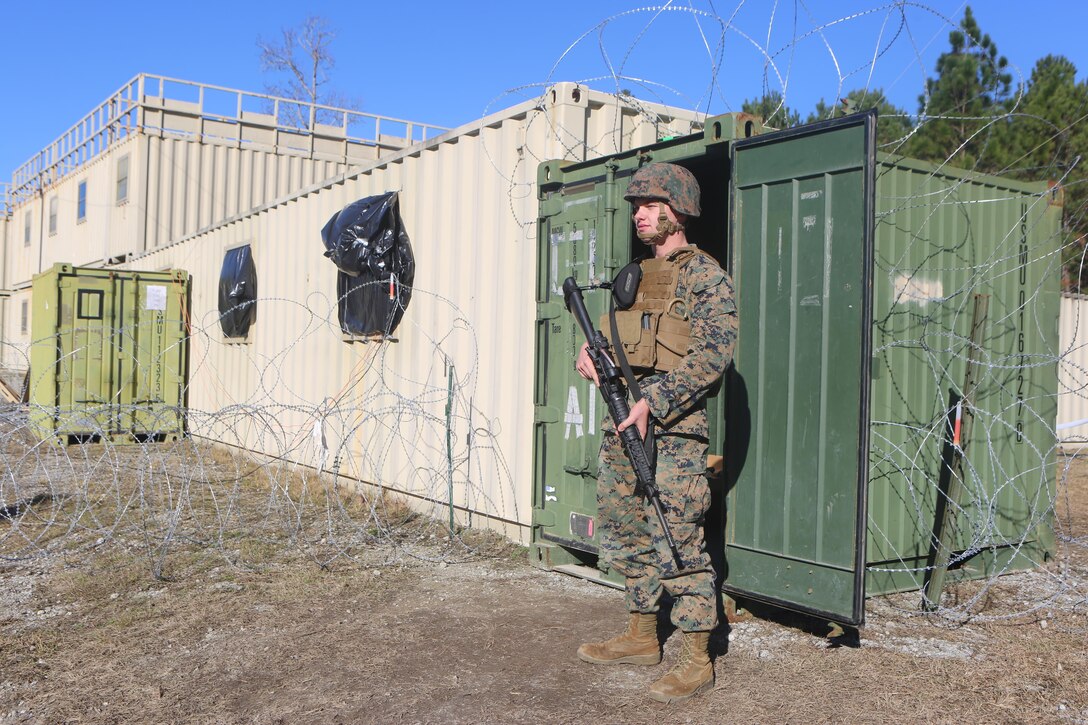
[649, 224]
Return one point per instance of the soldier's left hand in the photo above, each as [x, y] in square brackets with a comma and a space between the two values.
[584, 365]
[639, 417]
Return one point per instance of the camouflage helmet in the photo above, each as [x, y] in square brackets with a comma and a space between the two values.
[670, 183]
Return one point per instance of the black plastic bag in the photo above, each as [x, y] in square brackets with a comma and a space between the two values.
[237, 292]
[367, 242]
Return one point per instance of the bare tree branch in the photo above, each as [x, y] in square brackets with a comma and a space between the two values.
[303, 55]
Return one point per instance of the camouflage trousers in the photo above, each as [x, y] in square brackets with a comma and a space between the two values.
[632, 541]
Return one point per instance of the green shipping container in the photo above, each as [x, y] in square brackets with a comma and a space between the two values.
[868, 286]
[109, 357]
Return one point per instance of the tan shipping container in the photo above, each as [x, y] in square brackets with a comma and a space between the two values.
[378, 412]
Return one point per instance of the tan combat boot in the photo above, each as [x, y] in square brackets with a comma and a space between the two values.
[637, 646]
[692, 673]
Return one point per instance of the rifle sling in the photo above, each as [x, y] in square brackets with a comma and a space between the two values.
[632, 382]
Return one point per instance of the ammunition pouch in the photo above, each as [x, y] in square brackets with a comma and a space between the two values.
[653, 338]
[656, 330]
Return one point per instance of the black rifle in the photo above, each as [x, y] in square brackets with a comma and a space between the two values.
[608, 380]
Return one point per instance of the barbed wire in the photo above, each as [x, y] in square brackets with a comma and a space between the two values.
[367, 469]
[271, 467]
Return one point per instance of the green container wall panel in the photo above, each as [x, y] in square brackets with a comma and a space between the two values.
[942, 237]
[109, 355]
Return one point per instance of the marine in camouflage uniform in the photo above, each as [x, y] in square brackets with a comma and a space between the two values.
[631, 536]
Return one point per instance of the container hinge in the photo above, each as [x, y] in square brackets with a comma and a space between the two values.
[549, 310]
[543, 517]
[546, 414]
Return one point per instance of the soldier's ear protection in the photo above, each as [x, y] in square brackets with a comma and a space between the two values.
[625, 285]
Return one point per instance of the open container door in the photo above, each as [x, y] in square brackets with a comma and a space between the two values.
[578, 238]
[798, 420]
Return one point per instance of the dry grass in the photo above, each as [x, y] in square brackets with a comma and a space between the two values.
[164, 502]
[255, 622]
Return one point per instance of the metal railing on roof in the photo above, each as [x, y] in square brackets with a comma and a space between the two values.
[137, 107]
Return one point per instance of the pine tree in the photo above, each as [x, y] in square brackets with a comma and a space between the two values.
[773, 110]
[1048, 128]
[1048, 139]
[960, 113]
[893, 125]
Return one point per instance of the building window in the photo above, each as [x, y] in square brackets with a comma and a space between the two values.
[81, 203]
[24, 320]
[122, 179]
[54, 204]
[89, 304]
[237, 292]
[374, 282]
[26, 229]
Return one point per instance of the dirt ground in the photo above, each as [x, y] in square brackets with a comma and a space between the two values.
[406, 636]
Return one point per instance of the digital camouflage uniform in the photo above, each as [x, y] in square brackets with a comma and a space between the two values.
[631, 537]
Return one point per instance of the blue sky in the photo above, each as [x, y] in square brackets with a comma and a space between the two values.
[447, 63]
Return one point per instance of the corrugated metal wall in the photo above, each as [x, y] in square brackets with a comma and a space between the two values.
[192, 186]
[8, 351]
[189, 164]
[469, 205]
[176, 187]
[83, 241]
[1073, 372]
[106, 230]
[15, 350]
[943, 236]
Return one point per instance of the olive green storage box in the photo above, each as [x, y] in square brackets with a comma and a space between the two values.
[109, 355]
[867, 286]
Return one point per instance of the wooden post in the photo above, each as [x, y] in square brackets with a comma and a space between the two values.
[950, 484]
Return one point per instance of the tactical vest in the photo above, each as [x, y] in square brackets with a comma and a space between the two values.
[656, 329]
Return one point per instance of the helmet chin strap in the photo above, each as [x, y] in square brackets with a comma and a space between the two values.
[665, 227]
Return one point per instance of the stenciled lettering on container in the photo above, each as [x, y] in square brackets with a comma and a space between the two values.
[557, 238]
[1022, 301]
[574, 417]
[570, 261]
[160, 331]
[155, 301]
[779, 259]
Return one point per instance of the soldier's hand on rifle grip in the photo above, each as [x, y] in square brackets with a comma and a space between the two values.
[639, 417]
[584, 365]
